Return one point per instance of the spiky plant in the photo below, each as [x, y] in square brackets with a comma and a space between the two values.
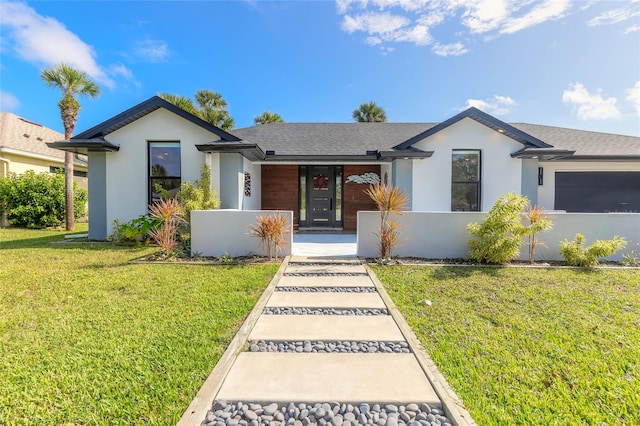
[389, 200]
[170, 213]
[538, 222]
[271, 230]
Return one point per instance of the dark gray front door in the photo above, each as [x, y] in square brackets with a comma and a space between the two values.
[321, 195]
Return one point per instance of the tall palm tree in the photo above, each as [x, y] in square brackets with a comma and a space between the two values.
[268, 117]
[209, 106]
[369, 112]
[72, 83]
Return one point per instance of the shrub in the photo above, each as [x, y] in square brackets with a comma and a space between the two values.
[538, 222]
[135, 230]
[631, 259]
[198, 196]
[271, 230]
[389, 200]
[37, 200]
[576, 254]
[170, 213]
[499, 236]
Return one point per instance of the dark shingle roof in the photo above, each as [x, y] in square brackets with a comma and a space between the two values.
[339, 139]
[584, 143]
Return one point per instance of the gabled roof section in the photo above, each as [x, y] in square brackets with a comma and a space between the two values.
[483, 118]
[142, 109]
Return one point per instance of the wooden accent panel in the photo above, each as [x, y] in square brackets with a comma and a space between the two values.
[280, 189]
[354, 197]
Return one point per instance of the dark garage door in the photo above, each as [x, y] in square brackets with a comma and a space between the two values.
[598, 192]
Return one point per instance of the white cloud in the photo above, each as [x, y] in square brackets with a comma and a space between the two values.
[551, 9]
[633, 96]
[621, 14]
[119, 69]
[590, 106]
[374, 23]
[454, 49]
[45, 41]
[632, 29]
[152, 50]
[412, 21]
[8, 102]
[497, 105]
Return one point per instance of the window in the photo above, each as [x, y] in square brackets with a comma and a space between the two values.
[465, 180]
[164, 170]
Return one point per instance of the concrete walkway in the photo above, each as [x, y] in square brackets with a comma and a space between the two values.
[248, 373]
[329, 244]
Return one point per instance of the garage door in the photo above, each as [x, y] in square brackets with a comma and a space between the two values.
[598, 192]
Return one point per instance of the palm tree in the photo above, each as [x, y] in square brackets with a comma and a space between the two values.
[209, 106]
[369, 112]
[72, 83]
[268, 117]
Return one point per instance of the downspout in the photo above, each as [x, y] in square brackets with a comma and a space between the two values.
[5, 172]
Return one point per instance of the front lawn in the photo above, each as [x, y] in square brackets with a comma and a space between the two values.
[529, 346]
[88, 338]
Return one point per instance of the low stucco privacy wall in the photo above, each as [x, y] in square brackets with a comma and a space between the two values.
[443, 235]
[226, 232]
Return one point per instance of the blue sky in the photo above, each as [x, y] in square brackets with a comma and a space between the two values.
[556, 62]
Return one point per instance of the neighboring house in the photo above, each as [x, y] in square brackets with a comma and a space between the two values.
[23, 146]
[320, 170]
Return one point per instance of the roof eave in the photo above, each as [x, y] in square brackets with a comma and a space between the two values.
[543, 154]
[250, 151]
[404, 155]
[84, 146]
[603, 157]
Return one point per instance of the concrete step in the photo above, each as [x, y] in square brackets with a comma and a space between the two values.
[349, 378]
[332, 260]
[355, 281]
[326, 300]
[329, 268]
[326, 327]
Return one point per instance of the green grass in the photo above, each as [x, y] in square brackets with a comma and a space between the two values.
[529, 346]
[88, 338]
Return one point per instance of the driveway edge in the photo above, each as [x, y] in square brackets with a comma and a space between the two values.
[201, 403]
[451, 403]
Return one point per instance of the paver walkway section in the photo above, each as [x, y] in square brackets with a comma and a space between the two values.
[324, 334]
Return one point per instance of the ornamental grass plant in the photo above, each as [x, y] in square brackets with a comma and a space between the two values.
[389, 200]
[271, 230]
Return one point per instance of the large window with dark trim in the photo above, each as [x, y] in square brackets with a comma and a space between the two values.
[465, 180]
[164, 170]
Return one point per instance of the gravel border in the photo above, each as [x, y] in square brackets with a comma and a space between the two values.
[292, 310]
[327, 289]
[334, 346]
[334, 414]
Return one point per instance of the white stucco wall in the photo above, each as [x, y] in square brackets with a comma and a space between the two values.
[432, 176]
[546, 192]
[443, 235]
[253, 202]
[127, 170]
[220, 232]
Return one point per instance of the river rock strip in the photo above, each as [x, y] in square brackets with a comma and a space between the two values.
[225, 413]
[293, 310]
[327, 289]
[337, 346]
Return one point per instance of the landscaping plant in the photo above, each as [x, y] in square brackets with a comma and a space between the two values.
[135, 230]
[538, 222]
[170, 213]
[36, 200]
[499, 236]
[576, 254]
[271, 230]
[198, 196]
[389, 200]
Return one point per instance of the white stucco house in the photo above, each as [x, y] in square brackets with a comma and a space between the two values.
[319, 170]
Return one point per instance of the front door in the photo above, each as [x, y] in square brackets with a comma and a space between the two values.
[323, 196]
